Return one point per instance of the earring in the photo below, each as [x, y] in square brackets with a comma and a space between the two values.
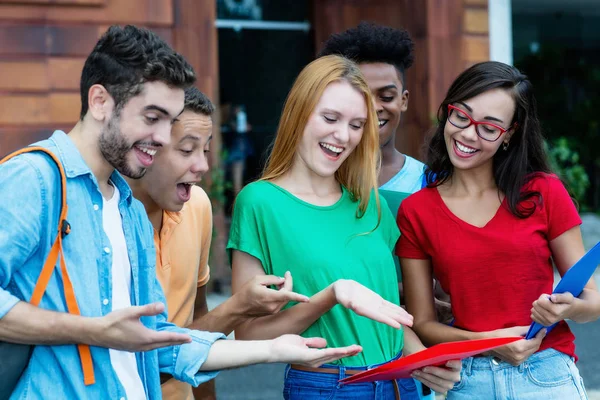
[505, 146]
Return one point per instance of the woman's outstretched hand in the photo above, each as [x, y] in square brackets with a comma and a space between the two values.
[365, 302]
[294, 349]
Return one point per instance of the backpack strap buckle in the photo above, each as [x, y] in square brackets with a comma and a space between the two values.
[65, 228]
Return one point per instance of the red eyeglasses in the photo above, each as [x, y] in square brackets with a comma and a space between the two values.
[485, 130]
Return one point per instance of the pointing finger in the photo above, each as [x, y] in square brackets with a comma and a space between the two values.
[289, 283]
[283, 295]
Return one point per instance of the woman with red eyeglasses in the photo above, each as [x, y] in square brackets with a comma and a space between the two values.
[489, 226]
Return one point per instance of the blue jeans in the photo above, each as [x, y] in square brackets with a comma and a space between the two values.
[302, 385]
[548, 375]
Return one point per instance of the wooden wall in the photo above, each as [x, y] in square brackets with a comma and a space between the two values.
[476, 41]
[44, 43]
[449, 35]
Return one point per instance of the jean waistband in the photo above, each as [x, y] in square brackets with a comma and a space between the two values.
[361, 368]
[494, 363]
[341, 370]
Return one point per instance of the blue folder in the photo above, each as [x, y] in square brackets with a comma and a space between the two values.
[573, 281]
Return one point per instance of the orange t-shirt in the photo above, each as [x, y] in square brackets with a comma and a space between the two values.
[182, 248]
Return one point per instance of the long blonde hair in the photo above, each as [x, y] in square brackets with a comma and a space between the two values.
[358, 173]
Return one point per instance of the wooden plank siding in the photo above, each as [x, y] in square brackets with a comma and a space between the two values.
[476, 41]
[139, 12]
[57, 2]
[44, 43]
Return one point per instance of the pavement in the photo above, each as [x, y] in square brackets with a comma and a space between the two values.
[265, 382]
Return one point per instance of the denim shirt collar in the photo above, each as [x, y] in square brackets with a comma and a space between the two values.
[75, 165]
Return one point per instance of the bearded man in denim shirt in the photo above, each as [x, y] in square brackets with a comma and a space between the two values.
[131, 93]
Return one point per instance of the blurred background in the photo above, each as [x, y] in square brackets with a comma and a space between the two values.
[247, 53]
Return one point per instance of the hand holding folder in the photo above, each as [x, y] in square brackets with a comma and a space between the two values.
[436, 355]
[573, 282]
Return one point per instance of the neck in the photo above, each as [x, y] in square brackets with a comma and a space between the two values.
[300, 179]
[154, 211]
[85, 139]
[473, 181]
[389, 154]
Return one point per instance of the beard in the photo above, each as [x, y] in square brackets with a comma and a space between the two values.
[115, 149]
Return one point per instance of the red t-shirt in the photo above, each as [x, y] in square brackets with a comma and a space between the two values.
[494, 273]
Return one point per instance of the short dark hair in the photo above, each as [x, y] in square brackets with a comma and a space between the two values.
[125, 58]
[198, 102]
[372, 43]
[514, 167]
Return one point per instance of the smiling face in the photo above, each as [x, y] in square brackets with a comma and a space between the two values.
[132, 135]
[391, 100]
[465, 148]
[333, 131]
[181, 163]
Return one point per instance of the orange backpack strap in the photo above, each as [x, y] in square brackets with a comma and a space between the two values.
[55, 252]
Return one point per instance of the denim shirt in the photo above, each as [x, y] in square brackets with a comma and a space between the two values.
[29, 210]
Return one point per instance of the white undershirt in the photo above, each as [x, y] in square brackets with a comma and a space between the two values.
[123, 362]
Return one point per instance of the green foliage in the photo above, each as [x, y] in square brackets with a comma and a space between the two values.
[567, 87]
[565, 162]
[218, 185]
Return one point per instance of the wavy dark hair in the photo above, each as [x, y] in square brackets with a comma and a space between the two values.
[525, 157]
[125, 58]
[198, 102]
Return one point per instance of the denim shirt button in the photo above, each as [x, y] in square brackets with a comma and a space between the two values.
[96, 208]
[105, 302]
[107, 250]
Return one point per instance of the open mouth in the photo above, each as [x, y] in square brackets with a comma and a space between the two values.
[145, 154]
[332, 152]
[184, 191]
[382, 123]
[463, 150]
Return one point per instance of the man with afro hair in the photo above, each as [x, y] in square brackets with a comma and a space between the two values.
[383, 55]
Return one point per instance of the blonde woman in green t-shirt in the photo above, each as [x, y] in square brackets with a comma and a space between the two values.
[316, 213]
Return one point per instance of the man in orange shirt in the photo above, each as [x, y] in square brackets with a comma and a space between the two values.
[181, 215]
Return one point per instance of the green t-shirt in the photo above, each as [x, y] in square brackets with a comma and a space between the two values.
[320, 245]
[394, 199]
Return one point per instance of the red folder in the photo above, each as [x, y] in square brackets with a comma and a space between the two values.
[436, 355]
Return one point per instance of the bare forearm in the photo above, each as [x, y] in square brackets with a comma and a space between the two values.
[294, 320]
[588, 308]
[224, 318]
[224, 354]
[432, 332]
[412, 343]
[28, 324]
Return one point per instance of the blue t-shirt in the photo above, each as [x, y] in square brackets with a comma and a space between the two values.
[409, 179]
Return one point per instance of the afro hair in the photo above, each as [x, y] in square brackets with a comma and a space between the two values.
[371, 43]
